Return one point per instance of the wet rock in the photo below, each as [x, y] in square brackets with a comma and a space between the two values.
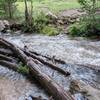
[36, 98]
[8, 31]
[74, 86]
[51, 16]
[4, 24]
[88, 91]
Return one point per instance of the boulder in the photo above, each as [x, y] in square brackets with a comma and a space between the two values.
[51, 15]
[3, 25]
[88, 91]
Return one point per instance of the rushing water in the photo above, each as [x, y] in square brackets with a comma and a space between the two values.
[70, 50]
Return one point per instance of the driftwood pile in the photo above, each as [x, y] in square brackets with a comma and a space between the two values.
[11, 54]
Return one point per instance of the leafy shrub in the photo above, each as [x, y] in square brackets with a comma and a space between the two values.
[49, 30]
[38, 22]
[84, 29]
[77, 29]
[89, 24]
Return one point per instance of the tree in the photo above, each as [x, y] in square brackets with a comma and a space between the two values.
[89, 6]
[26, 12]
[28, 15]
[8, 7]
[89, 24]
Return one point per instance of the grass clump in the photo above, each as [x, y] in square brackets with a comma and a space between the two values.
[23, 69]
[50, 30]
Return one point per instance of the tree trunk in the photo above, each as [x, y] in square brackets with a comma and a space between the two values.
[10, 9]
[26, 12]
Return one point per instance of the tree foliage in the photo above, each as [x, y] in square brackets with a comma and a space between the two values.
[7, 7]
[89, 23]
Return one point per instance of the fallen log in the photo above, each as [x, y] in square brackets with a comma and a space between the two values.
[6, 52]
[53, 88]
[49, 58]
[4, 57]
[50, 85]
[53, 66]
[93, 67]
[9, 65]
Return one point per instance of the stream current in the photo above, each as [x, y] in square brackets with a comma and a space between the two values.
[14, 86]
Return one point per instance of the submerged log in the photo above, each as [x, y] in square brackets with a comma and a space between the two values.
[93, 67]
[49, 58]
[45, 81]
[51, 65]
[5, 51]
[9, 65]
[4, 57]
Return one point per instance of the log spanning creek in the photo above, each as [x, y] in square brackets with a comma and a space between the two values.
[82, 59]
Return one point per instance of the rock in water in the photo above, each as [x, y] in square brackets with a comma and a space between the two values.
[88, 91]
[3, 25]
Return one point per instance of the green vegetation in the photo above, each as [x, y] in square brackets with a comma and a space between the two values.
[50, 30]
[33, 15]
[41, 5]
[41, 25]
[89, 24]
[7, 8]
[84, 29]
[23, 69]
[52, 5]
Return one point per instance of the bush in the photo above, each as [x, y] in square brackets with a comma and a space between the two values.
[84, 29]
[38, 22]
[89, 24]
[49, 30]
[77, 29]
